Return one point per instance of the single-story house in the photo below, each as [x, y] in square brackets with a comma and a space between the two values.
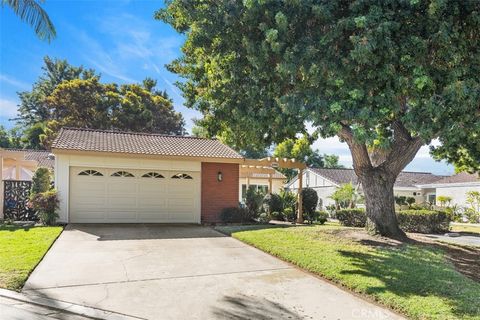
[325, 181]
[123, 177]
[455, 187]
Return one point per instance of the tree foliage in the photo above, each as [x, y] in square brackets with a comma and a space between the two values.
[72, 96]
[31, 12]
[385, 76]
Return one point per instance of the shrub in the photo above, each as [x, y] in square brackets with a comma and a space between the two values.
[444, 200]
[345, 196]
[410, 201]
[322, 217]
[46, 204]
[472, 212]
[309, 200]
[235, 215]
[352, 217]
[272, 203]
[253, 202]
[41, 181]
[263, 218]
[423, 221]
[289, 214]
[276, 216]
[289, 199]
[310, 217]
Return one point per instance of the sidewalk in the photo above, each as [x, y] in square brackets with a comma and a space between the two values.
[17, 306]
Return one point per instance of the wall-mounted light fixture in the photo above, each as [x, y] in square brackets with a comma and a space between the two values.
[219, 176]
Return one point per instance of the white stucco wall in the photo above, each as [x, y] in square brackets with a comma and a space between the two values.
[457, 193]
[63, 162]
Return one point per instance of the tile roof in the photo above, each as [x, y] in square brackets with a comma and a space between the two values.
[141, 143]
[44, 158]
[462, 177]
[404, 179]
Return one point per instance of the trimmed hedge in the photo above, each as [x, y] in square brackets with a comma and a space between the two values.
[420, 221]
[352, 217]
[423, 221]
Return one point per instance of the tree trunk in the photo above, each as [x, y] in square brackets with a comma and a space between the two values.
[380, 203]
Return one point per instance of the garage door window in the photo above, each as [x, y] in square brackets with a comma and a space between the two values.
[154, 175]
[91, 173]
[182, 176]
[122, 174]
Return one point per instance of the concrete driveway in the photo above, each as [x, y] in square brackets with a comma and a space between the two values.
[184, 272]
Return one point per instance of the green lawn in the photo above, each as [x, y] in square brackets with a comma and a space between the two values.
[415, 280]
[21, 249]
[465, 228]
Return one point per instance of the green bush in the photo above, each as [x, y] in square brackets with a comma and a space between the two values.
[41, 181]
[420, 221]
[276, 216]
[272, 203]
[46, 204]
[352, 217]
[311, 218]
[289, 214]
[263, 218]
[253, 202]
[423, 221]
[235, 215]
[289, 199]
[309, 202]
[322, 217]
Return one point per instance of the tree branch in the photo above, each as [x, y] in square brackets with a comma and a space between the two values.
[361, 159]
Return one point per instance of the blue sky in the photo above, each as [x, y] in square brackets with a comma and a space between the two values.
[122, 41]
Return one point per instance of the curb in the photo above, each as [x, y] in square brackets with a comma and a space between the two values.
[67, 307]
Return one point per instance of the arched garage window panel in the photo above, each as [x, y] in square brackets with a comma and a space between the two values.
[154, 175]
[125, 174]
[91, 173]
[182, 176]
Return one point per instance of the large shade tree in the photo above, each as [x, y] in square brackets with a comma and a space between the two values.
[65, 95]
[385, 76]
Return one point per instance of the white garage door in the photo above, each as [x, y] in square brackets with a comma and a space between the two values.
[99, 195]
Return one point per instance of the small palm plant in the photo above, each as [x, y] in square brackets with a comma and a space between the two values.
[32, 13]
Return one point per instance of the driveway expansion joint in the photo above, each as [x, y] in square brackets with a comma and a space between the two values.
[157, 279]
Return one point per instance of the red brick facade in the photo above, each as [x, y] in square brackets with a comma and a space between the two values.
[217, 195]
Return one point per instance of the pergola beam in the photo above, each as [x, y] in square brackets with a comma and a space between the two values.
[273, 163]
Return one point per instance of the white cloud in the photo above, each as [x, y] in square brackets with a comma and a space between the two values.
[8, 108]
[13, 82]
[422, 162]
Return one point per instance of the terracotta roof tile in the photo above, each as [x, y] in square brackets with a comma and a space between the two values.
[141, 143]
[44, 158]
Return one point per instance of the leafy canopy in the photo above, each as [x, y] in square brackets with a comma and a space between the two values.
[65, 95]
[383, 73]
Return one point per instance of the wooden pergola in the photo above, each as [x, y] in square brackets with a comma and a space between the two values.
[268, 166]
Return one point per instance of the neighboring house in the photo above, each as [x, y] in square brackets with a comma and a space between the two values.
[19, 164]
[16, 171]
[455, 186]
[124, 177]
[260, 181]
[325, 182]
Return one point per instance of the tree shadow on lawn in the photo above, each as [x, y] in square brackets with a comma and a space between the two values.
[242, 307]
[416, 270]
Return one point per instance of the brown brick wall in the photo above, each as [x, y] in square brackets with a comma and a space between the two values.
[217, 195]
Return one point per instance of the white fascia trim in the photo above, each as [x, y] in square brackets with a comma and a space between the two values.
[443, 185]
